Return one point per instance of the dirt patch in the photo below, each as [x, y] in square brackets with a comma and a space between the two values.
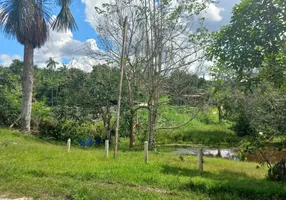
[6, 198]
[141, 188]
[272, 154]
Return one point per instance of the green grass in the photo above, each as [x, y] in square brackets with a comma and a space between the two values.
[33, 168]
[204, 129]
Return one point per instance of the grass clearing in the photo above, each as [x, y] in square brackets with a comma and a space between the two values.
[204, 129]
[33, 168]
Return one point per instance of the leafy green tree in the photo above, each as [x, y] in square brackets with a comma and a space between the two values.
[249, 53]
[72, 95]
[103, 95]
[47, 85]
[250, 63]
[254, 43]
[27, 20]
[16, 67]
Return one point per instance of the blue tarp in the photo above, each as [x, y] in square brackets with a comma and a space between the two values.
[88, 142]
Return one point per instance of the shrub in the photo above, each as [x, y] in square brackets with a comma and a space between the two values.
[48, 128]
[243, 126]
[10, 108]
[63, 130]
[39, 112]
[278, 171]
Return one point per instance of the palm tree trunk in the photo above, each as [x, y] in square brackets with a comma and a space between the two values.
[27, 87]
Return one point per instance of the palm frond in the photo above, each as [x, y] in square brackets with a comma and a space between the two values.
[16, 16]
[62, 3]
[26, 20]
[65, 19]
[45, 7]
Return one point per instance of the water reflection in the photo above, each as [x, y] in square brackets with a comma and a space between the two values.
[272, 154]
[223, 153]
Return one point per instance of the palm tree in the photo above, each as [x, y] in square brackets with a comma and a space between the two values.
[51, 64]
[64, 68]
[28, 22]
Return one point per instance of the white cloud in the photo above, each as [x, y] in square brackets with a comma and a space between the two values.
[62, 45]
[213, 13]
[6, 60]
[84, 63]
[90, 11]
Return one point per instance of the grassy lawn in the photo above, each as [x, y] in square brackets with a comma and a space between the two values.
[33, 168]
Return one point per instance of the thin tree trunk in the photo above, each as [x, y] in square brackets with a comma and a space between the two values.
[131, 129]
[152, 131]
[120, 87]
[132, 113]
[153, 112]
[52, 96]
[27, 87]
[220, 114]
[57, 93]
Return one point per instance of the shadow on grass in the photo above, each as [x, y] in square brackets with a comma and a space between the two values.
[225, 174]
[225, 184]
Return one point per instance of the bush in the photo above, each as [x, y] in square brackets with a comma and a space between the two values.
[278, 171]
[48, 128]
[63, 130]
[39, 112]
[10, 97]
[8, 113]
[10, 107]
[243, 126]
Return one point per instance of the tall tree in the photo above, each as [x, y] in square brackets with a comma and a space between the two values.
[27, 20]
[250, 64]
[52, 65]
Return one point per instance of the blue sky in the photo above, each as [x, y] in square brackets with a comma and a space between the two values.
[62, 43]
[11, 47]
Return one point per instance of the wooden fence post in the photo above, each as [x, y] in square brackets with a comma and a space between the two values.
[200, 156]
[106, 147]
[146, 151]
[69, 145]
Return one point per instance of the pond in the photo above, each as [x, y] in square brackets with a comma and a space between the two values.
[272, 154]
[223, 153]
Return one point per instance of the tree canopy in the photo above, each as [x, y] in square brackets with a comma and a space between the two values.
[255, 41]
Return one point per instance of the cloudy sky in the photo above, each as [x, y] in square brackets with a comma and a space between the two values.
[69, 47]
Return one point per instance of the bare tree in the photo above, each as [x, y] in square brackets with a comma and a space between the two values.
[162, 36]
